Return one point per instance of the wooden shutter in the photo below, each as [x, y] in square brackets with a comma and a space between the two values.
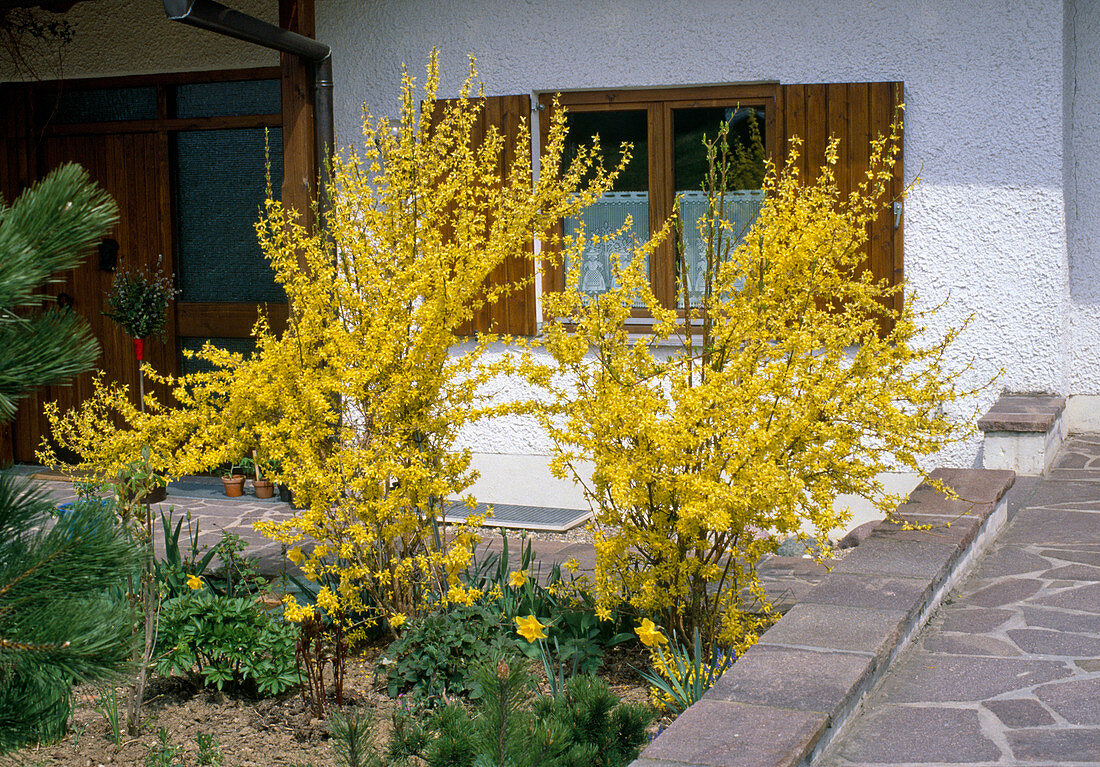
[514, 312]
[855, 113]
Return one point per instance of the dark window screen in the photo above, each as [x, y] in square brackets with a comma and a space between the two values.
[99, 105]
[244, 97]
[220, 191]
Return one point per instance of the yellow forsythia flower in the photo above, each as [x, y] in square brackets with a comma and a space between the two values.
[398, 619]
[530, 628]
[195, 582]
[327, 601]
[649, 634]
[292, 611]
[517, 578]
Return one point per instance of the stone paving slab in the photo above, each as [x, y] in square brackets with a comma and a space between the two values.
[1013, 655]
[1028, 413]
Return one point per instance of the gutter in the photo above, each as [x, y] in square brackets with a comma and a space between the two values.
[215, 17]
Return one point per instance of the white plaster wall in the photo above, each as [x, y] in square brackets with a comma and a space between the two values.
[1082, 180]
[125, 37]
[985, 227]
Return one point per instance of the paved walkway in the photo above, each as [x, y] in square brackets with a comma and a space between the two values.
[1008, 671]
[786, 578]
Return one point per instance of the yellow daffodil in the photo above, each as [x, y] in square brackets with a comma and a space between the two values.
[195, 582]
[517, 578]
[295, 555]
[530, 628]
[648, 632]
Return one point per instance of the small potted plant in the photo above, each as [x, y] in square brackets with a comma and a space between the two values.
[261, 485]
[233, 480]
[138, 301]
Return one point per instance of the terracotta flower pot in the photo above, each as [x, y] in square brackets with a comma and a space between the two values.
[234, 486]
[264, 488]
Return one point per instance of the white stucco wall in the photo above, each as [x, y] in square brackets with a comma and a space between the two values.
[125, 37]
[1082, 181]
[985, 227]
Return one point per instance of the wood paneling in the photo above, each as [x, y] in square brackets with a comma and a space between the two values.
[855, 113]
[222, 320]
[299, 164]
[514, 312]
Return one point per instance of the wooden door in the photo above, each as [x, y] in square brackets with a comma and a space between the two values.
[134, 169]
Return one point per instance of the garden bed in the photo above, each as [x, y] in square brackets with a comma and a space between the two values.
[252, 732]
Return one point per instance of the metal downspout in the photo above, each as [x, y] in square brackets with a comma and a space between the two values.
[215, 17]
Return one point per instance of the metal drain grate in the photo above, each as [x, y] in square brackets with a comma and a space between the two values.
[522, 517]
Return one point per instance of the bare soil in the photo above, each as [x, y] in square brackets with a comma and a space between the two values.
[253, 732]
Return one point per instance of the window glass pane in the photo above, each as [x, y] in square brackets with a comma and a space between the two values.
[245, 97]
[742, 194]
[98, 105]
[220, 190]
[628, 200]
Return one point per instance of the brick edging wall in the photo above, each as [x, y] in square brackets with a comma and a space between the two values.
[789, 695]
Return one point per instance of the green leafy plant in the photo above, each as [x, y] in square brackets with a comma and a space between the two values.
[241, 574]
[586, 726]
[210, 751]
[226, 640]
[163, 753]
[138, 301]
[173, 571]
[682, 674]
[107, 705]
[432, 658]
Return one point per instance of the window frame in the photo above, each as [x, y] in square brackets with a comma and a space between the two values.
[658, 104]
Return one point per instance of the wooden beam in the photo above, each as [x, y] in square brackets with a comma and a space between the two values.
[222, 320]
[299, 164]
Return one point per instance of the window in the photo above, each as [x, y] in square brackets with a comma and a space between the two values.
[668, 162]
[666, 127]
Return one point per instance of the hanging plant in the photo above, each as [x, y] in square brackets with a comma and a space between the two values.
[138, 301]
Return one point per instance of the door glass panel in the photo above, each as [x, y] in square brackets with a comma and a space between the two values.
[742, 196]
[220, 192]
[628, 201]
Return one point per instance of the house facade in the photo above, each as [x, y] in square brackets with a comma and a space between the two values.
[1001, 223]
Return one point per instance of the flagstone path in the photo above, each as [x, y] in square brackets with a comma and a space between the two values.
[1008, 671]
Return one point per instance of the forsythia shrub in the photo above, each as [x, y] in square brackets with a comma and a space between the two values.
[793, 381]
[360, 400]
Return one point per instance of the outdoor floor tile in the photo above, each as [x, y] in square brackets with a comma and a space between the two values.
[1003, 593]
[1020, 712]
[975, 620]
[1070, 745]
[1047, 526]
[876, 591]
[834, 627]
[1076, 700]
[1085, 557]
[902, 734]
[805, 680]
[1060, 620]
[1083, 598]
[908, 559]
[951, 644]
[1058, 493]
[724, 734]
[1045, 642]
[929, 678]
[1009, 561]
[1076, 572]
